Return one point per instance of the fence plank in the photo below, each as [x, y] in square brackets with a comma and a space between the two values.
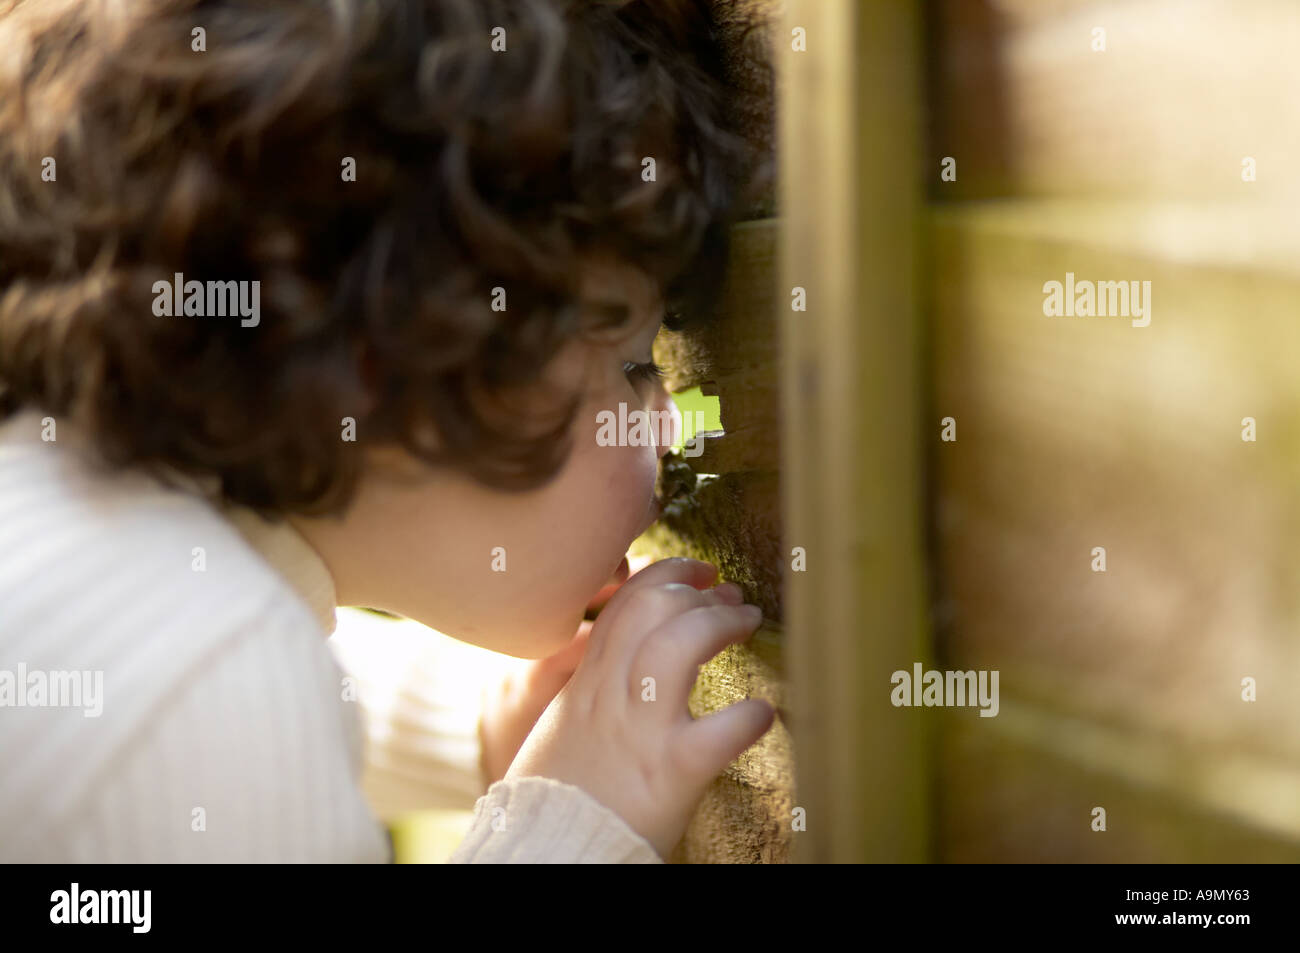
[1083, 432]
[1184, 90]
[850, 448]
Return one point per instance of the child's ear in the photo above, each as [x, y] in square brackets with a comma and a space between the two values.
[615, 295]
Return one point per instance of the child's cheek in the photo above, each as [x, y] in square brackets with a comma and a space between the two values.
[629, 469]
[621, 492]
[640, 471]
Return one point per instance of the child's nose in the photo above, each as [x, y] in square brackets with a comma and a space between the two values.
[671, 417]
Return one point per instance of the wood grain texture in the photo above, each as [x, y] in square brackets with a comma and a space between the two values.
[726, 501]
[745, 815]
[1022, 787]
[726, 510]
[1079, 432]
[851, 458]
[733, 357]
[1183, 91]
[746, 30]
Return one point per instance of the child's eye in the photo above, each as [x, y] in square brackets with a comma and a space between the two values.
[650, 372]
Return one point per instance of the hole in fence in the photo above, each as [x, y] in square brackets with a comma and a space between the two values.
[699, 411]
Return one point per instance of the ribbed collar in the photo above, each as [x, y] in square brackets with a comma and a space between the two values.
[293, 557]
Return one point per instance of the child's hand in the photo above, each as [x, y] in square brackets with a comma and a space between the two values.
[511, 707]
[648, 760]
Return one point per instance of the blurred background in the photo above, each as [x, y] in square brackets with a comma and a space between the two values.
[1139, 141]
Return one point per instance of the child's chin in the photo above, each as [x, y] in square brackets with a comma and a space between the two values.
[540, 645]
[616, 579]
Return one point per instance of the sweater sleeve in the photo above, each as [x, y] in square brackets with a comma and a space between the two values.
[536, 820]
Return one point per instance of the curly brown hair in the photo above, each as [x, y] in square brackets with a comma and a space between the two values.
[475, 169]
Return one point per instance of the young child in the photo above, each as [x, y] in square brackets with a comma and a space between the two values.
[306, 304]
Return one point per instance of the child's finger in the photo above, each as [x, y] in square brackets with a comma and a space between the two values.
[630, 566]
[631, 621]
[676, 652]
[654, 612]
[709, 744]
[679, 569]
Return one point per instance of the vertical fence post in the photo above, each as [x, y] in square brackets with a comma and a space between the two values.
[851, 469]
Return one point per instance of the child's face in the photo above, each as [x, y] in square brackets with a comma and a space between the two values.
[430, 551]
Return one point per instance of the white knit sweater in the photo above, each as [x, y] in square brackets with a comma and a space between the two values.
[201, 715]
